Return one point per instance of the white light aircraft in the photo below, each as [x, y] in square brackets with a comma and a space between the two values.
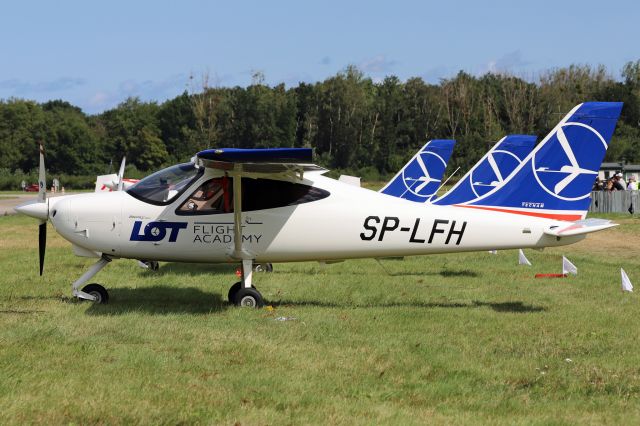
[273, 205]
[115, 182]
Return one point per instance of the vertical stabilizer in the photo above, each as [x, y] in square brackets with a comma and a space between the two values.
[555, 179]
[420, 178]
[491, 171]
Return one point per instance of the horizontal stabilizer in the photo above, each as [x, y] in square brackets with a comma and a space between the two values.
[580, 227]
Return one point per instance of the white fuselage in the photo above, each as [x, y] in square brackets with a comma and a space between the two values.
[351, 222]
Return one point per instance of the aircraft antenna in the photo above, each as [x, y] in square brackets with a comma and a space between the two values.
[447, 180]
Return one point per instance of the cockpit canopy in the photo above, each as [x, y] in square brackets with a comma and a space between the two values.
[164, 186]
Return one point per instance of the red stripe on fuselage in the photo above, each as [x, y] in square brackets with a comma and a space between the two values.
[567, 217]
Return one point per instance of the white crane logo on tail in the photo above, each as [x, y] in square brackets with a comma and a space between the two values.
[480, 187]
[416, 176]
[583, 148]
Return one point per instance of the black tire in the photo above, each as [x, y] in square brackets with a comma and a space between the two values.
[231, 296]
[99, 292]
[154, 265]
[263, 267]
[249, 298]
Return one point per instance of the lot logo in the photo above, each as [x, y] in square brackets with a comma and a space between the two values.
[156, 231]
[497, 166]
[416, 176]
[568, 174]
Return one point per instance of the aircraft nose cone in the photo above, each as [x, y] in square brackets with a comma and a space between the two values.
[34, 209]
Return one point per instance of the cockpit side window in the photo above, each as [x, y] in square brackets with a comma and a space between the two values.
[213, 196]
[164, 186]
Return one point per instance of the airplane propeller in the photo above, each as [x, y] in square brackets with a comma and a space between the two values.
[39, 209]
[42, 198]
[42, 244]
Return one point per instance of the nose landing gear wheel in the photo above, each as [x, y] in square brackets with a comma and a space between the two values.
[249, 297]
[97, 291]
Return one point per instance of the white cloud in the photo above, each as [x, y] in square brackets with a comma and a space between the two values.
[509, 62]
[377, 64]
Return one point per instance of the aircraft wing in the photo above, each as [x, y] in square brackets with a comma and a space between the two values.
[287, 162]
[580, 227]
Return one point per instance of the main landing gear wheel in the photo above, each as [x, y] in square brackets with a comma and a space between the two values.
[263, 267]
[97, 291]
[249, 297]
[231, 296]
[153, 265]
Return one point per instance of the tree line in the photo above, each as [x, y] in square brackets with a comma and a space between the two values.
[365, 127]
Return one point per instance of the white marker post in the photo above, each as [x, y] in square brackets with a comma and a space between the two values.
[522, 259]
[568, 267]
[626, 282]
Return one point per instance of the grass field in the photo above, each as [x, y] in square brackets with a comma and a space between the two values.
[468, 338]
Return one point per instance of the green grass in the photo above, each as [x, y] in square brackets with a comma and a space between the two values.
[468, 338]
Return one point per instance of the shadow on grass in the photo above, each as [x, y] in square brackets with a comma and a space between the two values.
[461, 273]
[512, 307]
[193, 269]
[447, 273]
[158, 300]
[515, 307]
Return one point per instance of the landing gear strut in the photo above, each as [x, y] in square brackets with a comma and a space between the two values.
[243, 293]
[93, 292]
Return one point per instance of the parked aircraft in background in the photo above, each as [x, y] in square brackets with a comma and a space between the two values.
[492, 170]
[420, 178]
[115, 182]
[255, 206]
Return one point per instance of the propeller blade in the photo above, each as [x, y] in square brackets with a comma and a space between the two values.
[42, 179]
[121, 174]
[42, 243]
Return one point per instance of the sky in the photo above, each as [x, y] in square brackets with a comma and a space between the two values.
[96, 54]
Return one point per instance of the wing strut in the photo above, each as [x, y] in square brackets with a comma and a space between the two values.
[237, 210]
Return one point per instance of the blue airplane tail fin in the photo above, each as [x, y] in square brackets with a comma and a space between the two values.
[556, 178]
[492, 169]
[420, 178]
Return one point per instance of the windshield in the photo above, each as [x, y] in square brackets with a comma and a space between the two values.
[164, 186]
